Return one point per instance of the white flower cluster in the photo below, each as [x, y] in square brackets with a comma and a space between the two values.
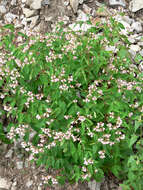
[93, 92]
[48, 178]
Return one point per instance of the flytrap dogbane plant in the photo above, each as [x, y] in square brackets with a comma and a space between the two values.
[72, 102]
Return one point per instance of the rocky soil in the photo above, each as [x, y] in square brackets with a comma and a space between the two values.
[16, 173]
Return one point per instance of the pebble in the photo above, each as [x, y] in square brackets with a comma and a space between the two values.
[9, 17]
[66, 3]
[133, 53]
[141, 52]
[86, 9]
[23, 1]
[2, 9]
[81, 2]
[140, 43]
[137, 27]
[29, 183]
[14, 186]
[45, 2]
[19, 165]
[127, 19]
[39, 188]
[4, 183]
[9, 154]
[131, 40]
[117, 3]
[13, 2]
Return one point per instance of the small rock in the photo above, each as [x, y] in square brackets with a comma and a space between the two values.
[140, 43]
[45, 2]
[39, 188]
[33, 21]
[127, 19]
[28, 13]
[23, 1]
[81, 2]
[136, 5]
[9, 154]
[137, 26]
[4, 183]
[19, 165]
[74, 4]
[135, 48]
[29, 183]
[131, 39]
[9, 17]
[141, 52]
[93, 185]
[48, 18]
[2, 9]
[66, 3]
[117, 3]
[86, 9]
[13, 2]
[24, 21]
[14, 186]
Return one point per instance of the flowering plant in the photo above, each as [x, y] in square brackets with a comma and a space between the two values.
[73, 99]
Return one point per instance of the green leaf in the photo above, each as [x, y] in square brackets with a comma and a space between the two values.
[72, 148]
[132, 140]
[9, 26]
[137, 125]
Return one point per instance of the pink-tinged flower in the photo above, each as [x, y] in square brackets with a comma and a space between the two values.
[38, 117]
[84, 169]
[81, 118]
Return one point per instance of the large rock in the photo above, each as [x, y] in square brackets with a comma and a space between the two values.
[136, 5]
